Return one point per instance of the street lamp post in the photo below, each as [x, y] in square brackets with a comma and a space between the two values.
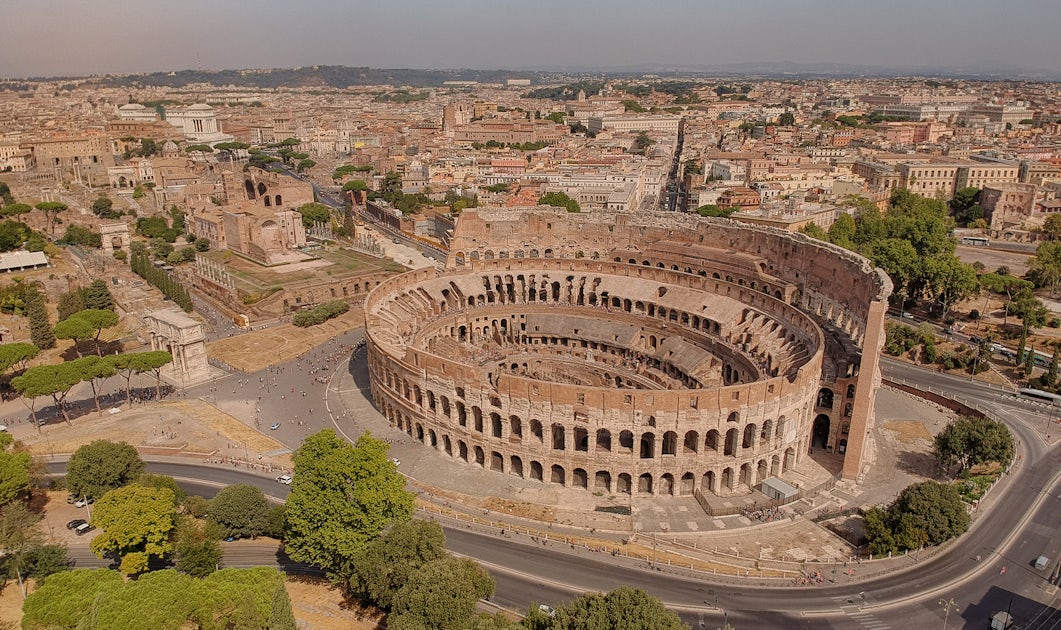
[948, 605]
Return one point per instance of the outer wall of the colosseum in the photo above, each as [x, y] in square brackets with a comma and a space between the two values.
[837, 286]
[676, 441]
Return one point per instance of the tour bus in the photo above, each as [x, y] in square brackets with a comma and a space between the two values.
[979, 241]
[1039, 394]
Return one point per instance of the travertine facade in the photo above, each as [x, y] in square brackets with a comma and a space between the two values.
[648, 353]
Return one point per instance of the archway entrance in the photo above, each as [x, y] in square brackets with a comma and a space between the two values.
[820, 433]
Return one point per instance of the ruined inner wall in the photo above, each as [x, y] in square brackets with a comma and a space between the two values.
[840, 289]
[694, 383]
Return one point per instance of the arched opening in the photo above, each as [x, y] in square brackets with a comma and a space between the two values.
[692, 439]
[515, 429]
[764, 470]
[579, 479]
[602, 481]
[480, 456]
[707, 483]
[261, 188]
[515, 466]
[604, 440]
[495, 425]
[536, 471]
[462, 450]
[557, 474]
[666, 484]
[249, 186]
[648, 445]
[622, 484]
[670, 443]
[626, 441]
[749, 437]
[581, 439]
[825, 398]
[558, 437]
[746, 475]
[497, 462]
[820, 432]
[279, 201]
[447, 446]
[688, 484]
[727, 479]
[536, 430]
[644, 484]
[711, 441]
[731, 442]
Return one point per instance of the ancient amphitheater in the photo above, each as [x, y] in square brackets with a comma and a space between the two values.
[653, 354]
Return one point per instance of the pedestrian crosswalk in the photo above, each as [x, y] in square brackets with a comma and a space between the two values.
[865, 620]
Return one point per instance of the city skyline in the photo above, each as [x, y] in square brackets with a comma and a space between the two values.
[121, 36]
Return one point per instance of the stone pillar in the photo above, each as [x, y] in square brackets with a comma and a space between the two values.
[869, 379]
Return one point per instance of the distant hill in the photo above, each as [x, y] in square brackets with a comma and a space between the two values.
[317, 76]
[347, 76]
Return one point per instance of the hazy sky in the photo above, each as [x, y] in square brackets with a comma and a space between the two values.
[69, 37]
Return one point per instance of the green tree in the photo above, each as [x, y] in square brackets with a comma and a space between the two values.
[48, 380]
[241, 509]
[149, 480]
[787, 119]
[965, 207]
[103, 208]
[77, 235]
[970, 441]
[197, 550]
[40, 326]
[314, 213]
[304, 165]
[1044, 269]
[927, 513]
[813, 230]
[900, 261]
[199, 148]
[14, 474]
[70, 303]
[1028, 308]
[949, 280]
[842, 231]
[18, 536]
[68, 598]
[443, 595]
[137, 363]
[341, 498]
[624, 608]
[98, 296]
[202, 244]
[559, 200]
[134, 520]
[98, 320]
[389, 562]
[16, 355]
[101, 466]
[1051, 226]
[75, 329]
[16, 209]
[355, 185]
[46, 560]
[1049, 379]
[51, 210]
[933, 508]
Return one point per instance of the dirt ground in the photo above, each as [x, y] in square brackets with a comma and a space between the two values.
[262, 348]
[186, 427]
[319, 606]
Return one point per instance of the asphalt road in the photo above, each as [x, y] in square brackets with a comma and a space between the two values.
[1020, 526]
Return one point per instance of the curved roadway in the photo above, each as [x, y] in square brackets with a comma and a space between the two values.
[986, 570]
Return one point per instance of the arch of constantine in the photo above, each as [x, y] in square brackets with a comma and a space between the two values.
[654, 354]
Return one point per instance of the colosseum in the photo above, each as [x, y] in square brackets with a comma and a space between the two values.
[647, 353]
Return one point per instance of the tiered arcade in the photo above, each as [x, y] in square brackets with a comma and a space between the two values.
[619, 354]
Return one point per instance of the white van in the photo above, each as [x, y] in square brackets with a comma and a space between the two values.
[1041, 562]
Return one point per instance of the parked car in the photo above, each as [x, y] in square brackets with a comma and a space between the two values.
[82, 502]
[83, 529]
[284, 479]
[77, 522]
[71, 498]
[275, 426]
[397, 462]
[3, 427]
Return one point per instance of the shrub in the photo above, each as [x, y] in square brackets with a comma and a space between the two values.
[320, 314]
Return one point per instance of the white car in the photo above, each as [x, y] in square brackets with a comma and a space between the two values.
[397, 462]
[82, 502]
[3, 427]
[284, 479]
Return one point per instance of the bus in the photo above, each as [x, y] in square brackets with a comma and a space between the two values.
[1039, 394]
[978, 241]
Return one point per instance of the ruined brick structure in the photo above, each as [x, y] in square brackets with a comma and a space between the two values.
[650, 353]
